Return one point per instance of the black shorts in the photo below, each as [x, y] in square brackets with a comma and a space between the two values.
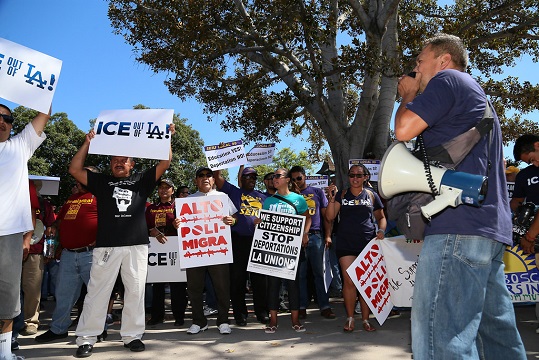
[341, 253]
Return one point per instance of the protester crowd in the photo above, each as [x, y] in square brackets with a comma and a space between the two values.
[103, 231]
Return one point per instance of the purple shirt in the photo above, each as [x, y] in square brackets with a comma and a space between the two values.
[316, 200]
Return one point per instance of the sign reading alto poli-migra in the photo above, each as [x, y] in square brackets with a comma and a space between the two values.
[142, 133]
[261, 154]
[225, 155]
[317, 181]
[276, 245]
[204, 237]
[372, 165]
[27, 77]
[369, 274]
[164, 262]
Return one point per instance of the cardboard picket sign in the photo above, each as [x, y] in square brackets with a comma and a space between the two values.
[141, 133]
[276, 245]
[203, 237]
[261, 154]
[28, 77]
[163, 261]
[225, 155]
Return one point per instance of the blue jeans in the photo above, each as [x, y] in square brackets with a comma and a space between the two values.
[314, 253]
[461, 308]
[74, 270]
[336, 283]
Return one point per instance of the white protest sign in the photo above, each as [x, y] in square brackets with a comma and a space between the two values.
[261, 154]
[163, 261]
[510, 188]
[372, 165]
[49, 184]
[326, 269]
[401, 258]
[142, 133]
[28, 77]
[204, 237]
[317, 181]
[276, 245]
[225, 155]
[369, 274]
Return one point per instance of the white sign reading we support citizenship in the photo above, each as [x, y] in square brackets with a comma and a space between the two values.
[204, 237]
[261, 154]
[163, 261]
[372, 165]
[142, 133]
[369, 274]
[28, 77]
[317, 181]
[401, 258]
[276, 245]
[225, 155]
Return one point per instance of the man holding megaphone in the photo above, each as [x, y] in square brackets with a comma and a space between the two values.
[459, 293]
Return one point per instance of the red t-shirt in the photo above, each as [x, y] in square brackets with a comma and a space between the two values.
[161, 216]
[78, 221]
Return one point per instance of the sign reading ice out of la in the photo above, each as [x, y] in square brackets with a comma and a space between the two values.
[27, 77]
[142, 133]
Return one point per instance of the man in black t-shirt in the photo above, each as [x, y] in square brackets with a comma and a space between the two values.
[121, 245]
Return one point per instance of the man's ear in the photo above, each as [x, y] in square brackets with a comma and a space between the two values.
[446, 60]
[536, 146]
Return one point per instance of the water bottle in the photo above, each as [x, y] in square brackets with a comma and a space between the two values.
[50, 247]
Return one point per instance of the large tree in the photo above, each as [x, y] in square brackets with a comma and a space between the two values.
[328, 66]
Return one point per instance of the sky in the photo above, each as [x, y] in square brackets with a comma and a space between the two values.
[99, 70]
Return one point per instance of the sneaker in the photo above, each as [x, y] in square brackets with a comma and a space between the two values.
[209, 311]
[50, 336]
[357, 310]
[15, 357]
[29, 330]
[14, 344]
[135, 345]
[224, 329]
[195, 329]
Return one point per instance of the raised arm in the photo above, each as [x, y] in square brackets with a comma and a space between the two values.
[219, 179]
[40, 121]
[76, 167]
[165, 164]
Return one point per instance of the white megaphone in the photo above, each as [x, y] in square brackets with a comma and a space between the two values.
[401, 171]
[39, 229]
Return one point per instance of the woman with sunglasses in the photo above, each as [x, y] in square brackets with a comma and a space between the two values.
[287, 194]
[358, 208]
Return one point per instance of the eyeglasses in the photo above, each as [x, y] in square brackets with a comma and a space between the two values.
[249, 176]
[299, 178]
[206, 175]
[356, 175]
[7, 118]
[278, 176]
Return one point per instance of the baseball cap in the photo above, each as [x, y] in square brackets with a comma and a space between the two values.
[203, 168]
[248, 170]
[167, 181]
[512, 170]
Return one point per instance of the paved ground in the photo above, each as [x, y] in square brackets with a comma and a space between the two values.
[324, 339]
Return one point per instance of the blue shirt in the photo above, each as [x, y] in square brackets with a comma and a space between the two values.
[452, 103]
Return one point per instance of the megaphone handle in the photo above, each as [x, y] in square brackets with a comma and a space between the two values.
[448, 197]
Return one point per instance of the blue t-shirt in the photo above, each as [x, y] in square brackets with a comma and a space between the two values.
[452, 103]
[527, 184]
[275, 204]
[316, 200]
[248, 204]
[357, 223]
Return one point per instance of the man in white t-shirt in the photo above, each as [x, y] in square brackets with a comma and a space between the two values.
[16, 216]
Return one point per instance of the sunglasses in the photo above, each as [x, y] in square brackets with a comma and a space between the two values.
[299, 178]
[205, 175]
[278, 176]
[356, 175]
[249, 176]
[7, 118]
